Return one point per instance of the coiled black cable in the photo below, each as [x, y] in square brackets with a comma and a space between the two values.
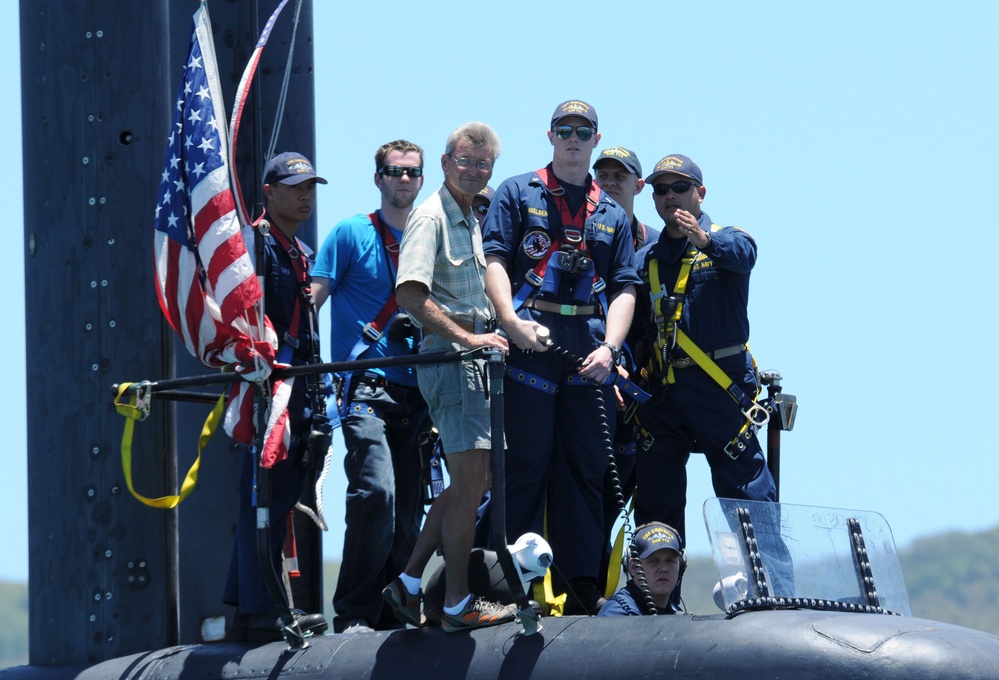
[615, 478]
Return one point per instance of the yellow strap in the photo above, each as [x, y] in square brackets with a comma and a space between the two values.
[617, 557]
[543, 593]
[666, 326]
[133, 412]
[706, 363]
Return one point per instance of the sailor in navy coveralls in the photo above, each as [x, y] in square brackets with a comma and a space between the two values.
[560, 255]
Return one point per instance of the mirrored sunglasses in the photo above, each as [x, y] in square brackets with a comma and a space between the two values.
[400, 170]
[584, 132]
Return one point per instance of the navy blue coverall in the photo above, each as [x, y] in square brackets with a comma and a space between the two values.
[558, 435]
[695, 414]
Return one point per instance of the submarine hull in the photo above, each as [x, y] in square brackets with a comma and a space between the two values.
[761, 644]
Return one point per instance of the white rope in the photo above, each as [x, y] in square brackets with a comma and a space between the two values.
[317, 515]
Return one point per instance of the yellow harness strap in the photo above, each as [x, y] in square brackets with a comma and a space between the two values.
[617, 555]
[670, 332]
[543, 592]
[138, 409]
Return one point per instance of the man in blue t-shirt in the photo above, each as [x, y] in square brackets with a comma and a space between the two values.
[384, 417]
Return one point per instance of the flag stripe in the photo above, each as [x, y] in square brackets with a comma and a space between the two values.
[205, 279]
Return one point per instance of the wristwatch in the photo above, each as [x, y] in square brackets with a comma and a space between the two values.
[615, 352]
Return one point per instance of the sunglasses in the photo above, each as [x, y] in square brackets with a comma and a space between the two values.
[680, 187]
[481, 209]
[400, 170]
[584, 132]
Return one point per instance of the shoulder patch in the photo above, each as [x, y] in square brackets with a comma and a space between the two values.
[536, 244]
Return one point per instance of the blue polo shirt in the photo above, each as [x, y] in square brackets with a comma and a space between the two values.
[362, 277]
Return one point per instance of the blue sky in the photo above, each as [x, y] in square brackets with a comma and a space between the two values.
[856, 141]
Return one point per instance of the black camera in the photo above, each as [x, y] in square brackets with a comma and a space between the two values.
[574, 261]
[401, 328]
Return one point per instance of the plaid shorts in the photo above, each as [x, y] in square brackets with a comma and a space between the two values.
[456, 395]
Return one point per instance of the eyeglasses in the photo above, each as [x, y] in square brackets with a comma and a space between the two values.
[466, 163]
[680, 187]
[481, 209]
[400, 170]
[584, 132]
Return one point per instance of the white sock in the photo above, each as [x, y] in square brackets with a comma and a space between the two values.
[458, 607]
[411, 582]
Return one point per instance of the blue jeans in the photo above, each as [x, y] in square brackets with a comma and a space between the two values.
[384, 495]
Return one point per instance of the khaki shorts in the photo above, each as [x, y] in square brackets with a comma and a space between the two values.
[456, 395]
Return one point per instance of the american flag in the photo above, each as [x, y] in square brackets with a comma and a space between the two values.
[205, 279]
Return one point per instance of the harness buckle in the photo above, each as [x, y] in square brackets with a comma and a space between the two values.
[757, 415]
[291, 341]
[532, 278]
[629, 411]
[661, 294]
[573, 236]
[599, 286]
[567, 310]
[371, 333]
[736, 446]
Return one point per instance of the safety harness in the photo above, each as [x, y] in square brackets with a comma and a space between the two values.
[666, 313]
[301, 266]
[373, 330]
[567, 254]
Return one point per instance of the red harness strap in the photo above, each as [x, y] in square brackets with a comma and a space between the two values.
[301, 266]
[373, 330]
[573, 226]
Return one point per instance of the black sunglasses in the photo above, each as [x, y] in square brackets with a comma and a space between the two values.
[400, 170]
[680, 187]
[584, 132]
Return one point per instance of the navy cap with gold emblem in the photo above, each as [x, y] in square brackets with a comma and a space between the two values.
[652, 537]
[675, 164]
[621, 155]
[290, 168]
[574, 107]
